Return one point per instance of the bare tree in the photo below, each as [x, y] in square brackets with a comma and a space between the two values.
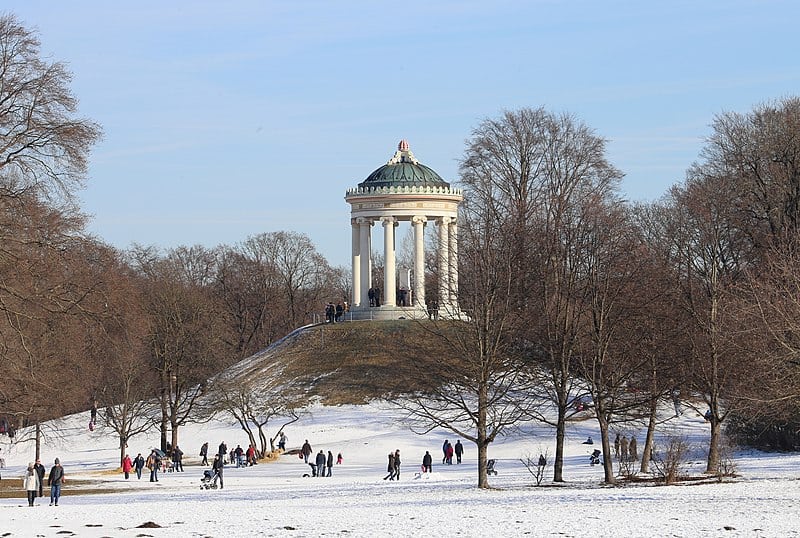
[306, 278]
[534, 169]
[477, 385]
[43, 145]
[186, 336]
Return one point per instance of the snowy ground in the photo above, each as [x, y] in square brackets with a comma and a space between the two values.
[275, 500]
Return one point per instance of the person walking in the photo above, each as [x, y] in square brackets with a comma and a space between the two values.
[459, 450]
[390, 467]
[40, 471]
[204, 453]
[329, 463]
[222, 451]
[320, 462]
[444, 450]
[633, 450]
[138, 465]
[623, 448]
[427, 463]
[153, 463]
[397, 464]
[306, 450]
[31, 483]
[55, 481]
[282, 442]
[127, 465]
[217, 467]
[177, 459]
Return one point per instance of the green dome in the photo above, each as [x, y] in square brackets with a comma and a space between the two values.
[403, 170]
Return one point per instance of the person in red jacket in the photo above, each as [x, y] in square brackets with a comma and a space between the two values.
[127, 465]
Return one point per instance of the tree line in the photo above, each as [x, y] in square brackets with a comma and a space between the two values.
[573, 294]
[569, 292]
[134, 333]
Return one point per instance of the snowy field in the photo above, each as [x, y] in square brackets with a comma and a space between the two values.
[276, 500]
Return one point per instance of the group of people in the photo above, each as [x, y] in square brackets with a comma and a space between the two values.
[394, 466]
[33, 481]
[322, 464]
[334, 313]
[449, 449]
[626, 449]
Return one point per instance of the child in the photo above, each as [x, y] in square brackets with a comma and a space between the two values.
[339, 459]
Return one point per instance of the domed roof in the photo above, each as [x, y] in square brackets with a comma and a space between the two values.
[403, 170]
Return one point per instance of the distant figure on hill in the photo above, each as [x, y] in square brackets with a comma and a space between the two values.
[633, 449]
[204, 453]
[339, 458]
[329, 463]
[623, 448]
[459, 450]
[282, 441]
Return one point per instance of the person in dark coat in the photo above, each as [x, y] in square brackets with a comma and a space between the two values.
[204, 453]
[445, 445]
[217, 467]
[177, 459]
[320, 462]
[40, 471]
[138, 465]
[427, 463]
[223, 450]
[390, 467]
[329, 463]
[55, 480]
[397, 464]
[306, 450]
[459, 450]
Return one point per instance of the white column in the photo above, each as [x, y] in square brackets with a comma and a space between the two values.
[389, 277]
[365, 228]
[453, 273]
[419, 260]
[356, 248]
[444, 263]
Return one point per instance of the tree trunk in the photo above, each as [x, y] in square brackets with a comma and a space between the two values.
[608, 462]
[649, 437]
[713, 445]
[123, 445]
[483, 479]
[561, 428]
[38, 440]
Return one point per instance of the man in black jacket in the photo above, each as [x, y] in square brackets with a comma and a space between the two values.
[217, 467]
[39, 468]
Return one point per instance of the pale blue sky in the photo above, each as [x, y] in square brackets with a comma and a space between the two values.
[228, 119]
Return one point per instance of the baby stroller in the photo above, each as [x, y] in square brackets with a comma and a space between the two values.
[594, 457]
[209, 480]
[490, 467]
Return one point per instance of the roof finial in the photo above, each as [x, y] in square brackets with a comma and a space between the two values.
[403, 154]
